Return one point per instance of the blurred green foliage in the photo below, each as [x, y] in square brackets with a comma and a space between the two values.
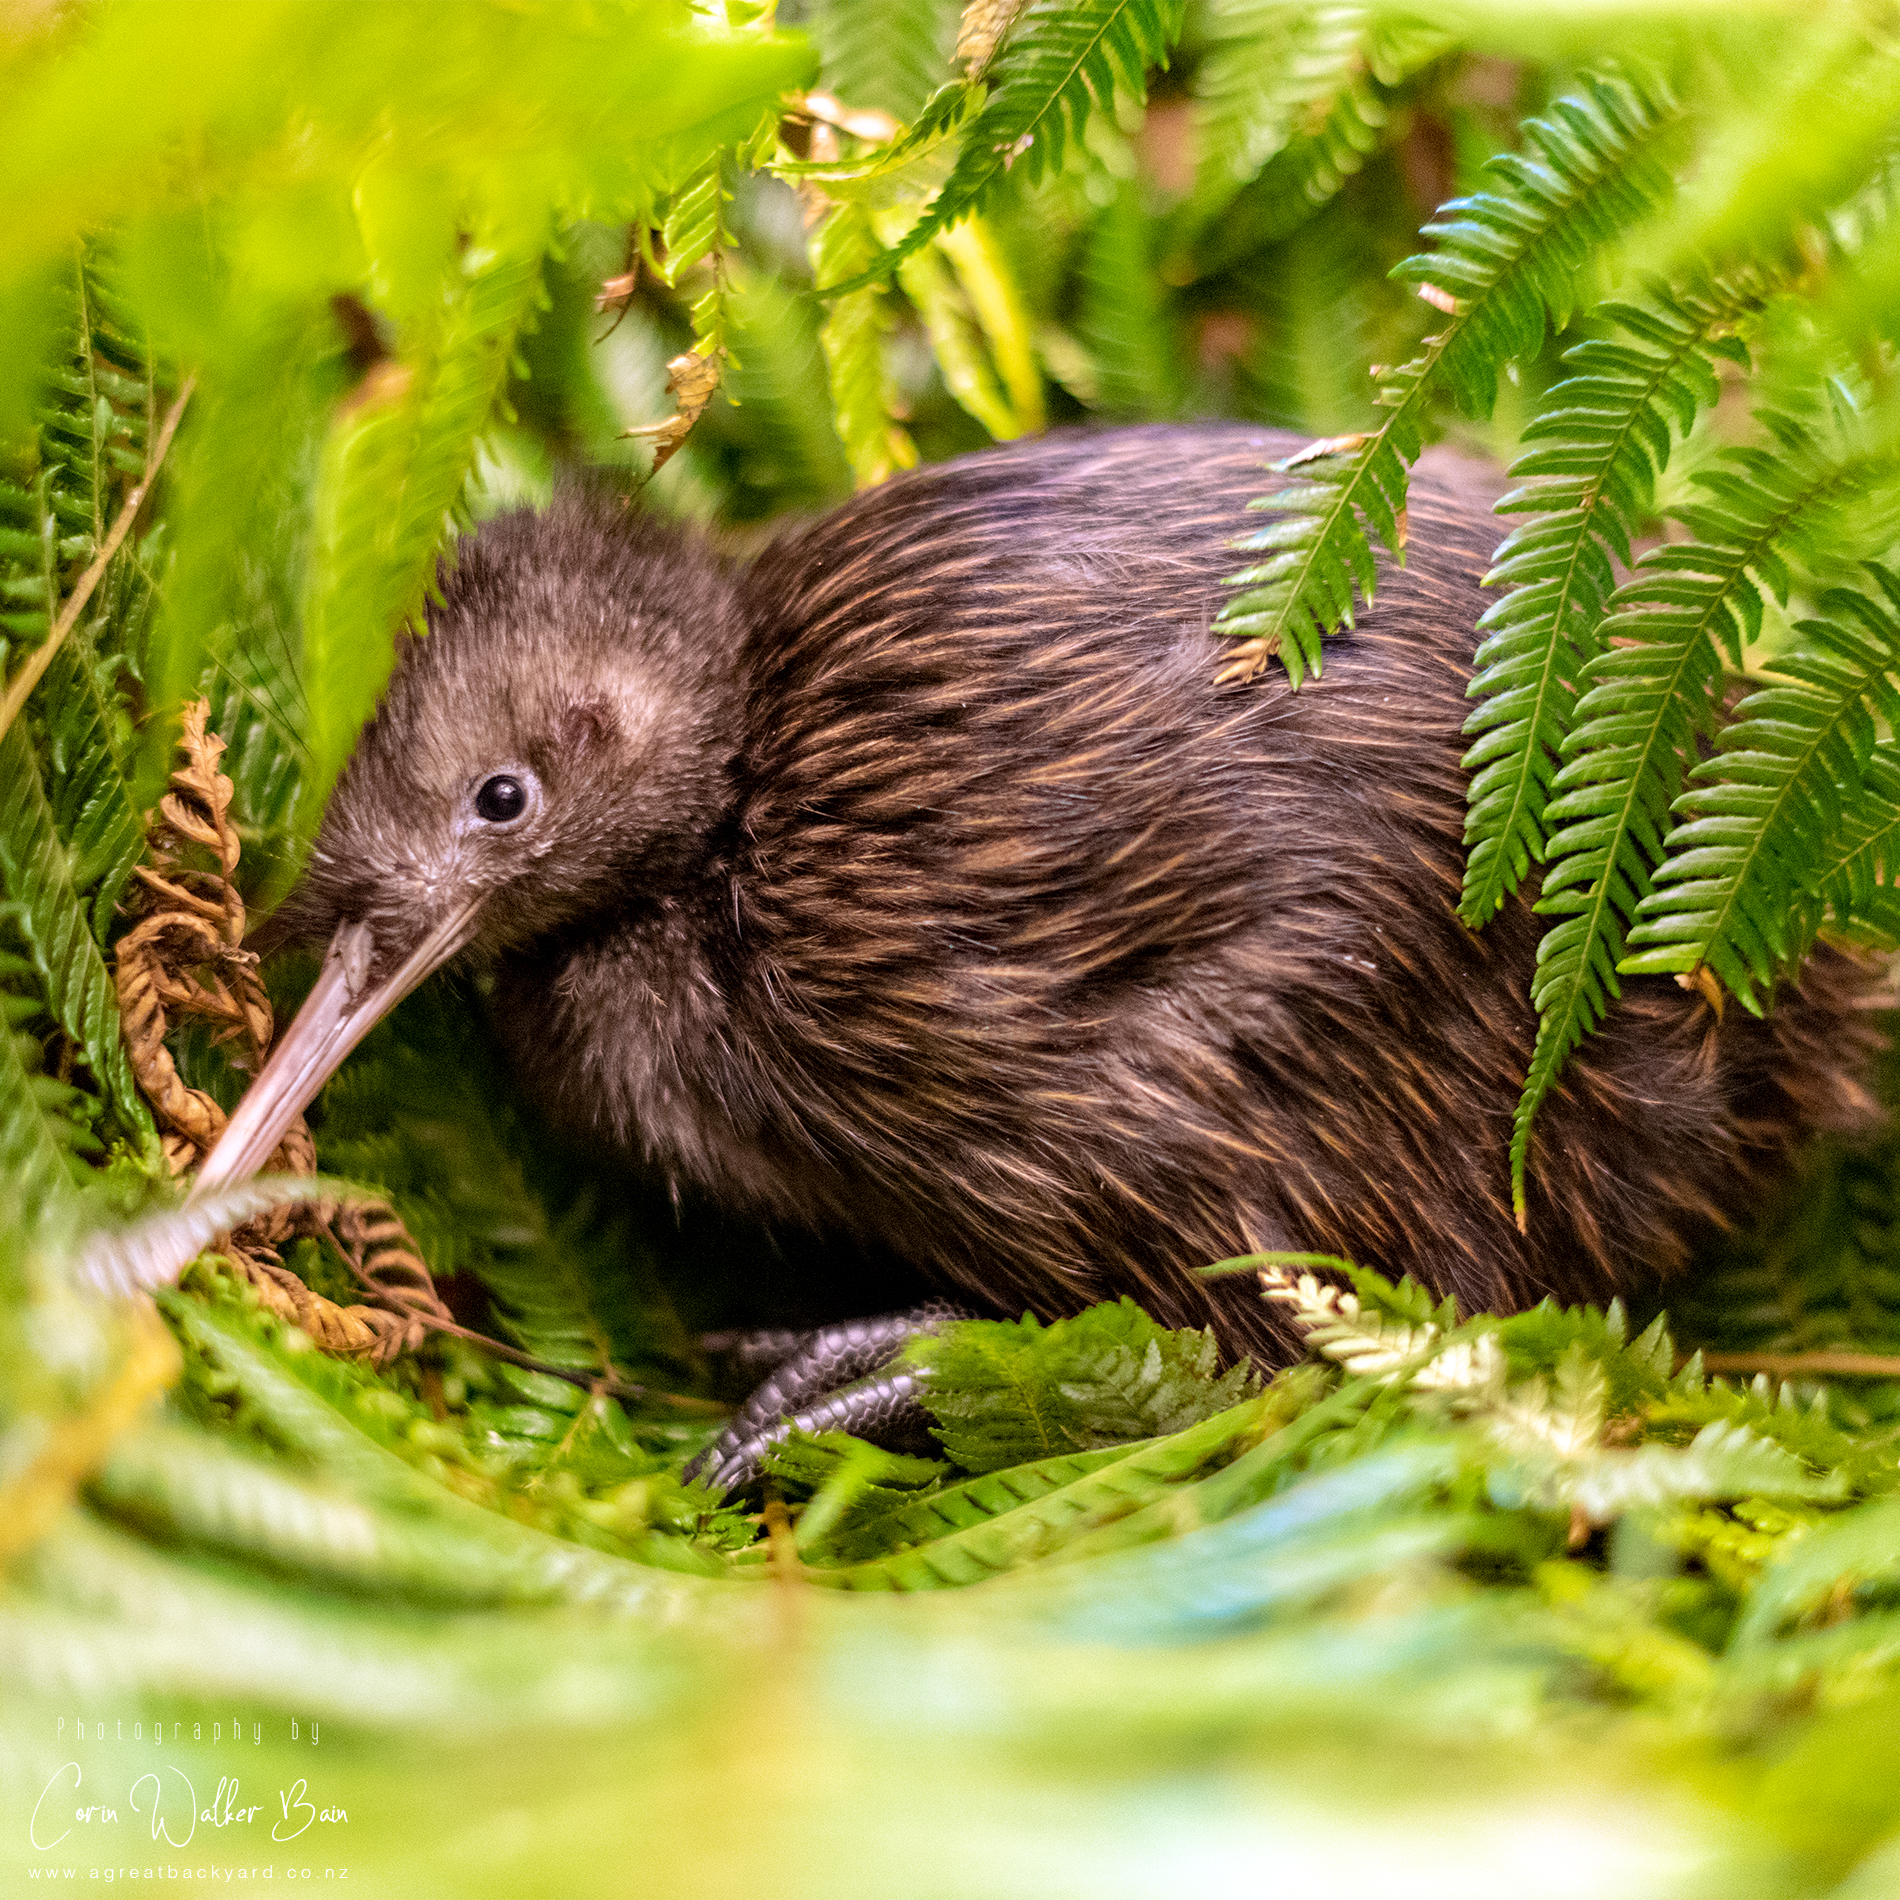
[1524, 1606]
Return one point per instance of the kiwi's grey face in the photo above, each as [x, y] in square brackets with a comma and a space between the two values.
[555, 744]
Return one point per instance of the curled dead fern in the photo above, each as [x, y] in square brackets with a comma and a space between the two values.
[185, 960]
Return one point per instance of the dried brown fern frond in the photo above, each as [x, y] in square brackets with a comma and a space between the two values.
[185, 960]
[690, 381]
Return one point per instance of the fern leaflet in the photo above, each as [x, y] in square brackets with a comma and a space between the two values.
[1267, 70]
[887, 54]
[1762, 810]
[1506, 256]
[36, 877]
[1857, 881]
[1648, 699]
[852, 338]
[695, 233]
[1063, 59]
[390, 490]
[1600, 440]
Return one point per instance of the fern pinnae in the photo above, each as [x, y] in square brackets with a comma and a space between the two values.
[1856, 883]
[1599, 442]
[1351, 70]
[694, 233]
[1266, 68]
[1062, 60]
[1506, 256]
[37, 879]
[1729, 892]
[1647, 701]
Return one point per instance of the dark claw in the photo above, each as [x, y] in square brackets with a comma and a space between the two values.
[834, 1380]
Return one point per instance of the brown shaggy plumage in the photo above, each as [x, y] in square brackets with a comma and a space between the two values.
[916, 879]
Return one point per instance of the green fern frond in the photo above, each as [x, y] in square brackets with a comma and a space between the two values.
[1856, 882]
[852, 337]
[696, 233]
[389, 493]
[781, 412]
[1063, 60]
[1506, 257]
[918, 150]
[1006, 1519]
[1267, 71]
[1126, 320]
[44, 1122]
[886, 54]
[931, 285]
[85, 778]
[1599, 442]
[1649, 701]
[36, 876]
[1760, 813]
[990, 286]
[1328, 142]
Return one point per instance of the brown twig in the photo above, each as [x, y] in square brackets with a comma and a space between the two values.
[1805, 1365]
[41, 657]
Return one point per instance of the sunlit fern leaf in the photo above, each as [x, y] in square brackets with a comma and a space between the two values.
[885, 173]
[955, 341]
[392, 481]
[988, 283]
[1759, 815]
[1063, 60]
[1597, 444]
[696, 235]
[36, 875]
[886, 54]
[1506, 256]
[852, 337]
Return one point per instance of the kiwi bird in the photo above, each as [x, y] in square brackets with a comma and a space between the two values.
[918, 878]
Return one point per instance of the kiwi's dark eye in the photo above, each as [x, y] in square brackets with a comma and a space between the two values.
[501, 799]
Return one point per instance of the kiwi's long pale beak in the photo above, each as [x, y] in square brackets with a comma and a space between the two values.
[338, 1013]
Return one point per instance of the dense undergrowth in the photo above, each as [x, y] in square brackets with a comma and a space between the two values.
[1526, 1605]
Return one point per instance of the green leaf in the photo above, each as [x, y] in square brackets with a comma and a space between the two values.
[852, 337]
[37, 877]
[1759, 814]
[1599, 441]
[1030, 1513]
[1506, 257]
[389, 497]
[1063, 60]
[32, 1153]
[886, 54]
[695, 235]
[1007, 1391]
